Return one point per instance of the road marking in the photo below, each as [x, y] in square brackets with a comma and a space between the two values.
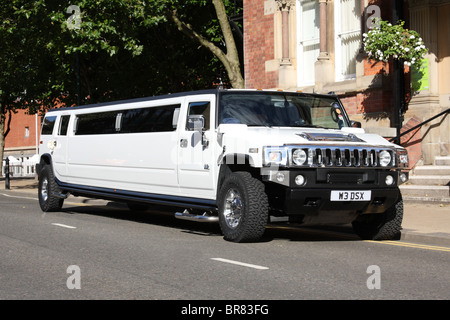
[63, 225]
[10, 196]
[68, 203]
[349, 237]
[254, 266]
[411, 245]
[336, 234]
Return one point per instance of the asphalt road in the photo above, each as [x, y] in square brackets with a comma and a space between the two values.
[96, 251]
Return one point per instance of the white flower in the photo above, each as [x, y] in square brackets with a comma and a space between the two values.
[412, 36]
[407, 49]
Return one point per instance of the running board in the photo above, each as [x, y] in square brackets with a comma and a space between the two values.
[61, 195]
[185, 215]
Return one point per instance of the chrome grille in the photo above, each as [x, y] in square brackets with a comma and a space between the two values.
[346, 156]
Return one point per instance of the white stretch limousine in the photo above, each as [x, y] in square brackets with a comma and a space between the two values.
[239, 157]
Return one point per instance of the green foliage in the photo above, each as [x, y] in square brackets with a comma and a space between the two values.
[388, 41]
[125, 49]
[27, 70]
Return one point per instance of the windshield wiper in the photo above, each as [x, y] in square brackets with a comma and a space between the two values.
[306, 125]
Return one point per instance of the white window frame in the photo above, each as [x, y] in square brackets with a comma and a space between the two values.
[339, 76]
[301, 81]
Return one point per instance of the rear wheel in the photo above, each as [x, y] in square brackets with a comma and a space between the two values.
[243, 208]
[385, 226]
[48, 191]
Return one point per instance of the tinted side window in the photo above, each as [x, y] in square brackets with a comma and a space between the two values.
[63, 125]
[48, 124]
[96, 123]
[155, 119]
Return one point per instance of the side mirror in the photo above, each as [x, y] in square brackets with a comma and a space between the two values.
[196, 123]
[355, 124]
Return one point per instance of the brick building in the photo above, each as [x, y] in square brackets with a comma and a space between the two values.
[23, 138]
[316, 46]
[21, 143]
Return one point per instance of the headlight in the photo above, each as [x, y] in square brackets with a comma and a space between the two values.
[300, 180]
[275, 156]
[389, 180]
[385, 158]
[402, 156]
[299, 157]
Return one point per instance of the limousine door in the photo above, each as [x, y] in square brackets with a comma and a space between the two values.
[195, 150]
[59, 146]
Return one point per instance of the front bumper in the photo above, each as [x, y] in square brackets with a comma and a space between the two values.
[318, 201]
[313, 196]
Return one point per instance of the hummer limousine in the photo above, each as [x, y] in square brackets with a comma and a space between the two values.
[241, 158]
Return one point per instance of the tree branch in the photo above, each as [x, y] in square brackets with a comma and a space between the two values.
[230, 60]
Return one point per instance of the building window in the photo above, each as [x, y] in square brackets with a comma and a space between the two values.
[348, 37]
[27, 132]
[308, 40]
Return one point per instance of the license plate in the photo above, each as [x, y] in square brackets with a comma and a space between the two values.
[342, 195]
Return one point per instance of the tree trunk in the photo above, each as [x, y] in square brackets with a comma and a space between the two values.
[234, 69]
[230, 60]
[4, 130]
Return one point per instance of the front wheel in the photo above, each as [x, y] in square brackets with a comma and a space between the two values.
[243, 208]
[48, 191]
[385, 226]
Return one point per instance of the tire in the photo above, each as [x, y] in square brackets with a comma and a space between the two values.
[385, 226]
[243, 208]
[47, 190]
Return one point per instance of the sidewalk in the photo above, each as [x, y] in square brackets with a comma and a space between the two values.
[423, 222]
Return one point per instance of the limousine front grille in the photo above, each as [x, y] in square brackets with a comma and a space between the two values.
[321, 156]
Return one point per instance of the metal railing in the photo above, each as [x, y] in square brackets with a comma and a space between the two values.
[397, 138]
[17, 169]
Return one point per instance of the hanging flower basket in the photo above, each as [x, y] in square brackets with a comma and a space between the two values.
[386, 41]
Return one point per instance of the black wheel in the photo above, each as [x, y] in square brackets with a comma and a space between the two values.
[243, 208]
[48, 191]
[385, 226]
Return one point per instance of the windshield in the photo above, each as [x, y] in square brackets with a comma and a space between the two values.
[282, 109]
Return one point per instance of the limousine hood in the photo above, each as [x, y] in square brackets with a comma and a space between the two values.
[279, 136]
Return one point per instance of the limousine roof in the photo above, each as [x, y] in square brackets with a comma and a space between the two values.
[174, 95]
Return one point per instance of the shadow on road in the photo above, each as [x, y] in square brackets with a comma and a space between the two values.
[164, 216]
